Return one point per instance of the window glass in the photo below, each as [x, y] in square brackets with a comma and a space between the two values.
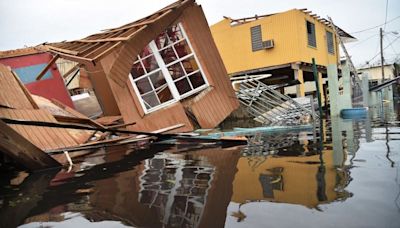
[150, 63]
[183, 86]
[176, 71]
[143, 85]
[168, 55]
[197, 80]
[166, 70]
[137, 70]
[182, 48]
[190, 65]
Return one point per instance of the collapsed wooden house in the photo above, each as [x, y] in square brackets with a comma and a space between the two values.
[158, 71]
[28, 63]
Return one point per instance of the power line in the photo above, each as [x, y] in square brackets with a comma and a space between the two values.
[386, 14]
[383, 49]
[362, 41]
[376, 25]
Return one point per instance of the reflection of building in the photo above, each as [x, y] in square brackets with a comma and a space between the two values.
[177, 188]
[186, 189]
[292, 177]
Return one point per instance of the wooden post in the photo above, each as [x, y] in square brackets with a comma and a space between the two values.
[21, 150]
[298, 75]
[317, 87]
[43, 72]
[365, 90]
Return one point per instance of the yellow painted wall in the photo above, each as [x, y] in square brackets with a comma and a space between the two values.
[299, 180]
[287, 29]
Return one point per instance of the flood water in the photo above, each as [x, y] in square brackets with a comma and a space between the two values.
[280, 179]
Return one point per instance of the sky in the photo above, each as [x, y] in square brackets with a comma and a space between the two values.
[32, 22]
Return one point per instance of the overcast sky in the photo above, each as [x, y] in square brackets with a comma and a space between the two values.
[31, 22]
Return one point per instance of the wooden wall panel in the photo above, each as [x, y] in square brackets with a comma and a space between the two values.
[11, 94]
[213, 108]
[45, 138]
[103, 90]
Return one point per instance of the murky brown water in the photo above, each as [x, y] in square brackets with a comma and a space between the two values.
[281, 179]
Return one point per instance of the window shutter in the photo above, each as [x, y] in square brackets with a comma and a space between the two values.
[256, 38]
[329, 40]
[311, 34]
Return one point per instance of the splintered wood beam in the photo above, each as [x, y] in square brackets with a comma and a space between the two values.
[43, 72]
[77, 66]
[113, 39]
[62, 50]
[22, 151]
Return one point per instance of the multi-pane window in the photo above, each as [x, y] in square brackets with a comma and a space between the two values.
[329, 42]
[311, 34]
[256, 38]
[167, 70]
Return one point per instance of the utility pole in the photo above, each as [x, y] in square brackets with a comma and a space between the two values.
[382, 60]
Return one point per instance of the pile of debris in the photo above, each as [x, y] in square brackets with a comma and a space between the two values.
[33, 127]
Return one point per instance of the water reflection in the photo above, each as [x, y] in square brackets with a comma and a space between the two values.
[278, 171]
[278, 179]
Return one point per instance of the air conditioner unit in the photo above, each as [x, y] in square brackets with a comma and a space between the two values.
[268, 44]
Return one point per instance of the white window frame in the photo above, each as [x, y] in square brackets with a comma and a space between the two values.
[168, 78]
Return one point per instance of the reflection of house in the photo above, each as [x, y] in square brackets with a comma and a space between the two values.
[281, 44]
[158, 71]
[28, 63]
[289, 179]
[185, 190]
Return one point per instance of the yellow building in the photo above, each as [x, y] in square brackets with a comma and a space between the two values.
[281, 44]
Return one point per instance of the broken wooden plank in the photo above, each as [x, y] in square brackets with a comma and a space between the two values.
[43, 72]
[121, 125]
[80, 126]
[77, 66]
[108, 120]
[23, 151]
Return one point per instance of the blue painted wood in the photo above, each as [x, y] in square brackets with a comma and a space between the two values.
[28, 74]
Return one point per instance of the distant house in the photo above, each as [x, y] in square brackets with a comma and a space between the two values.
[281, 44]
[159, 71]
[375, 73]
[27, 63]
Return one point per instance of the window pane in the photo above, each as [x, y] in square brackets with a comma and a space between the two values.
[145, 52]
[157, 79]
[182, 48]
[162, 41]
[150, 63]
[150, 100]
[164, 94]
[168, 55]
[143, 85]
[197, 80]
[137, 70]
[174, 33]
[176, 71]
[183, 86]
[190, 65]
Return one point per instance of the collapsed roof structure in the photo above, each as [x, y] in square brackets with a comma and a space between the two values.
[158, 71]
